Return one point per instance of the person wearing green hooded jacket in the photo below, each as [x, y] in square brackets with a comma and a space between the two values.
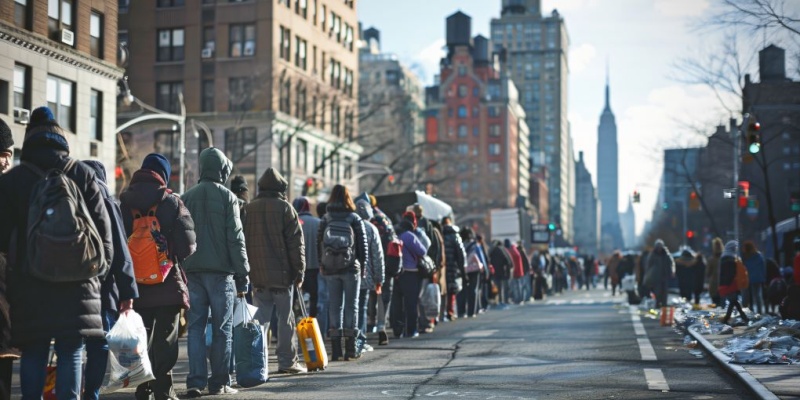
[216, 272]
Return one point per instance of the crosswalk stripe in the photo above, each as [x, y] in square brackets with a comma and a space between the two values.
[655, 379]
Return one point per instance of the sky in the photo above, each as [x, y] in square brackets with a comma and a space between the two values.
[642, 42]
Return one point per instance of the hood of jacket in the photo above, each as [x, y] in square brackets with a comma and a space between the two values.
[272, 181]
[364, 209]
[214, 166]
[301, 205]
[731, 249]
[146, 189]
[98, 168]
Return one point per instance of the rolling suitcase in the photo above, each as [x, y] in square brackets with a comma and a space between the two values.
[311, 340]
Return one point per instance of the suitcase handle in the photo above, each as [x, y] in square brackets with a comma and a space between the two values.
[302, 302]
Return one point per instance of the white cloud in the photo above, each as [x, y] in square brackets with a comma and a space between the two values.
[681, 8]
[567, 5]
[580, 57]
[426, 61]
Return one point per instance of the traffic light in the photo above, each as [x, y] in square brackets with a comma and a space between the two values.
[690, 234]
[636, 196]
[391, 179]
[551, 227]
[665, 205]
[310, 187]
[694, 201]
[744, 193]
[754, 138]
[795, 201]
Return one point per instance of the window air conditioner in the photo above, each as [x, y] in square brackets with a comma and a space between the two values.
[67, 37]
[207, 53]
[22, 115]
[249, 50]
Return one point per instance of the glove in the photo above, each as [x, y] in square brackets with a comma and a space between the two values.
[242, 283]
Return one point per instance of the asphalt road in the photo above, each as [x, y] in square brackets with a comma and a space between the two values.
[576, 346]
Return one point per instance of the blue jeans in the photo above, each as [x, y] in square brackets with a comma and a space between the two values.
[216, 291]
[343, 290]
[97, 359]
[753, 297]
[32, 368]
[322, 303]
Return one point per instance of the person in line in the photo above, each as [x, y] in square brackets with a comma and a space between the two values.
[524, 280]
[310, 227]
[660, 268]
[343, 252]
[379, 303]
[405, 297]
[612, 266]
[699, 274]
[7, 353]
[515, 273]
[456, 259]
[728, 289]
[41, 310]
[500, 259]
[6, 147]
[117, 291]
[160, 304]
[242, 192]
[712, 270]
[684, 269]
[373, 273]
[468, 298]
[757, 273]
[588, 271]
[484, 286]
[323, 295]
[217, 271]
[277, 256]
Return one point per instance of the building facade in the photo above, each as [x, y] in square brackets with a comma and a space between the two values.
[477, 150]
[587, 217]
[628, 224]
[608, 177]
[536, 49]
[62, 54]
[391, 130]
[272, 83]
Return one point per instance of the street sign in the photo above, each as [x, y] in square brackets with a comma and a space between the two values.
[540, 233]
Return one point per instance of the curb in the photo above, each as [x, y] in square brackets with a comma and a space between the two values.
[737, 370]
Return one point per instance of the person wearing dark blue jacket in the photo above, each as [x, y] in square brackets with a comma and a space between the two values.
[405, 297]
[116, 292]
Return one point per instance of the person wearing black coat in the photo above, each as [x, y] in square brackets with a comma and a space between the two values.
[42, 310]
[501, 261]
[160, 304]
[455, 272]
[116, 292]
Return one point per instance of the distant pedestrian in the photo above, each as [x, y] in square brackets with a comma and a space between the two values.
[660, 268]
[372, 274]
[217, 272]
[379, 303]
[501, 260]
[405, 297]
[728, 289]
[485, 282]
[712, 270]
[612, 267]
[6, 147]
[455, 258]
[468, 300]
[684, 270]
[796, 261]
[699, 271]
[757, 273]
[310, 225]
[242, 192]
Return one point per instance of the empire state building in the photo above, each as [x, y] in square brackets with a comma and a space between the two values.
[608, 179]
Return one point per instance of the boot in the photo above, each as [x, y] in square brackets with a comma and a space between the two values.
[336, 344]
[350, 350]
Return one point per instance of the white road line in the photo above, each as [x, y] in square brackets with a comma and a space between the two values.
[484, 333]
[655, 379]
[637, 325]
[648, 354]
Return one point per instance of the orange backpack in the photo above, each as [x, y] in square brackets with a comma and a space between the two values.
[742, 278]
[148, 248]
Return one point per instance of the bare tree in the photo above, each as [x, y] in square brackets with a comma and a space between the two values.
[757, 15]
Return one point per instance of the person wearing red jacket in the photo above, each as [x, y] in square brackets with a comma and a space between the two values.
[517, 271]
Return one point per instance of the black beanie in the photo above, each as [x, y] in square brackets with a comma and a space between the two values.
[238, 184]
[159, 164]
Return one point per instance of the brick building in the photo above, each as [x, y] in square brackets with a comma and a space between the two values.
[275, 82]
[475, 130]
[63, 54]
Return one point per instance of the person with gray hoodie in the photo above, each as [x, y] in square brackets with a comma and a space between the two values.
[313, 281]
[371, 276]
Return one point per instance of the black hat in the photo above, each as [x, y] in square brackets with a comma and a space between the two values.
[238, 184]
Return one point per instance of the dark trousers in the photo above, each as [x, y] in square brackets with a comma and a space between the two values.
[404, 303]
[468, 297]
[162, 333]
[6, 369]
[310, 287]
[733, 301]
[378, 305]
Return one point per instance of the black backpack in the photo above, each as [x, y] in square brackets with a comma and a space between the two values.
[338, 245]
[63, 242]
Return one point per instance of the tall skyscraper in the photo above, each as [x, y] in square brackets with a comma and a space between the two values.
[608, 177]
[628, 225]
[536, 48]
[587, 220]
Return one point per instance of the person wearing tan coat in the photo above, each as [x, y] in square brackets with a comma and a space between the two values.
[712, 270]
[613, 273]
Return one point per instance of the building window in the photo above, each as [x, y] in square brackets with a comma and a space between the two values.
[349, 122]
[60, 98]
[464, 186]
[170, 45]
[322, 17]
[335, 118]
[462, 149]
[462, 90]
[22, 15]
[170, 3]
[22, 83]
[124, 5]
[167, 96]
[209, 40]
[301, 154]
[208, 96]
[462, 112]
[494, 149]
[96, 115]
[300, 103]
[494, 168]
[462, 131]
[300, 58]
[60, 13]
[166, 143]
[494, 130]
[348, 37]
[242, 40]
[284, 96]
[286, 3]
[301, 8]
[476, 131]
[96, 34]
[348, 81]
[241, 94]
[462, 70]
[285, 44]
[240, 143]
[323, 109]
[494, 111]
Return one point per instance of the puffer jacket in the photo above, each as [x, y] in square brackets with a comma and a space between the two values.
[147, 188]
[662, 267]
[215, 210]
[337, 211]
[374, 274]
[727, 275]
[413, 248]
[275, 245]
[120, 284]
[501, 261]
[756, 268]
[455, 256]
[41, 310]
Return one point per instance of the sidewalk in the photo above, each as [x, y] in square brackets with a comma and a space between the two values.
[770, 381]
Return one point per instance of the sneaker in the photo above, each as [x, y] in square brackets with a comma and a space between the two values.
[294, 369]
[367, 347]
[414, 335]
[193, 393]
[223, 390]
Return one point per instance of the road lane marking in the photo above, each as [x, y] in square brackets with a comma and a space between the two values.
[655, 379]
[648, 354]
[483, 333]
[637, 325]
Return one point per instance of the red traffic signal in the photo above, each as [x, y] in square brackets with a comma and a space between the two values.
[689, 234]
[391, 179]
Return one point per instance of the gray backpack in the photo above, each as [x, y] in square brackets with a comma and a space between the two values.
[63, 242]
[338, 245]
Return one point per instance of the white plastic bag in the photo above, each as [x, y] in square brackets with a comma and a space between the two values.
[431, 299]
[128, 363]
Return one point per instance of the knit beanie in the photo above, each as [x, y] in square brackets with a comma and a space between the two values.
[44, 128]
[159, 164]
[239, 184]
[6, 138]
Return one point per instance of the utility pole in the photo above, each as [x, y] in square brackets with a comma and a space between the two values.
[737, 154]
